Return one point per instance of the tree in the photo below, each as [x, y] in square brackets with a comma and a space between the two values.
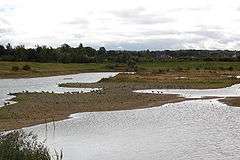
[8, 46]
[102, 50]
[80, 45]
[2, 50]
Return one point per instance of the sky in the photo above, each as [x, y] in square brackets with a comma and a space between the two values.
[122, 24]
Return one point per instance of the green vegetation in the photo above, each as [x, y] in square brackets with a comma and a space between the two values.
[18, 145]
[190, 65]
[67, 54]
[33, 69]
[179, 80]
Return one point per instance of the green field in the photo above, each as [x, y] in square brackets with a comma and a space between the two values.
[190, 65]
[47, 69]
[50, 69]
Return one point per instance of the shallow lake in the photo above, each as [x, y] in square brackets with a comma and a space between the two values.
[47, 84]
[200, 129]
[196, 129]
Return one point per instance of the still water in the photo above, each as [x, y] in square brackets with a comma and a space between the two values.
[47, 84]
[196, 129]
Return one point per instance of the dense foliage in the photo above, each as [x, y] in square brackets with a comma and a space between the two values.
[20, 146]
[81, 54]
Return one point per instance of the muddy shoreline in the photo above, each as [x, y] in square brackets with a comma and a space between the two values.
[38, 108]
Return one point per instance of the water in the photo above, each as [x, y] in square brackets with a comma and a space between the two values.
[200, 129]
[196, 129]
[47, 84]
[233, 91]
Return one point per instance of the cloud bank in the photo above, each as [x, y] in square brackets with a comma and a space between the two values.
[125, 24]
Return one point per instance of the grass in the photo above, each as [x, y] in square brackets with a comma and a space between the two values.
[47, 69]
[232, 101]
[190, 65]
[18, 145]
[50, 69]
[181, 79]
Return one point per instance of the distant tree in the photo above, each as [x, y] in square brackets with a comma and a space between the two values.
[2, 50]
[102, 50]
[8, 46]
[65, 47]
[80, 45]
[131, 65]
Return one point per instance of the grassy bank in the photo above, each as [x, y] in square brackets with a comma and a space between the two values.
[190, 65]
[47, 69]
[233, 101]
[181, 79]
[15, 69]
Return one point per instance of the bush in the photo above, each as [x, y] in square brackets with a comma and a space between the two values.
[15, 68]
[17, 145]
[179, 69]
[230, 68]
[26, 68]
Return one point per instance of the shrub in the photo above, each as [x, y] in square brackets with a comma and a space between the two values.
[179, 69]
[26, 68]
[18, 145]
[221, 68]
[230, 68]
[161, 71]
[15, 68]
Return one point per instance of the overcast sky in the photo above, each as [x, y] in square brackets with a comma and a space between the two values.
[122, 24]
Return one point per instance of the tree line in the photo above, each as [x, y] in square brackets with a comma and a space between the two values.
[80, 54]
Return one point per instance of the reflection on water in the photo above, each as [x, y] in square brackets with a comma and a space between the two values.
[200, 129]
[47, 84]
[196, 129]
[233, 91]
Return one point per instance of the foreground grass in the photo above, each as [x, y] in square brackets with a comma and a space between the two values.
[18, 145]
[47, 69]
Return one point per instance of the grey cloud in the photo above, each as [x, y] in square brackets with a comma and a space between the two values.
[142, 33]
[194, 9]
[79, 22]
[5, 30]
[208, 34]
[159, 32]
[78, 35]
[138, 16]
[217, 35]
[153, 44]
[4, 21]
